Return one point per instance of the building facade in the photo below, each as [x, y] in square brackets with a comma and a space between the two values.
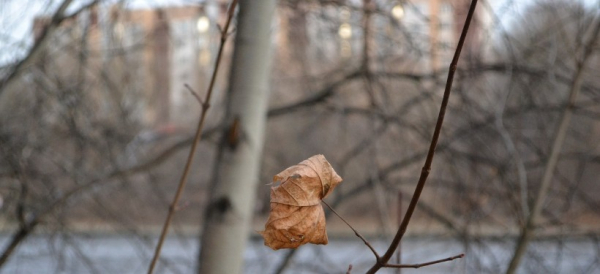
[150, 54]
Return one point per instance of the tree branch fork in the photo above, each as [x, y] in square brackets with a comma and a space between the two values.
[382, 261]
[379, 259]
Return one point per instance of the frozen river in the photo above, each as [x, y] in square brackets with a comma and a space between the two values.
[123, 255]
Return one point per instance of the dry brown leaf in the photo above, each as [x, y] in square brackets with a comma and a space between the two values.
[297, 216]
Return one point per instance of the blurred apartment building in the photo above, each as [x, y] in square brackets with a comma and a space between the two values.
[149, 54]
[146, 54]
[424, 32]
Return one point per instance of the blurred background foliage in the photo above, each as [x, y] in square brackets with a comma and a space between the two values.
[95, 124]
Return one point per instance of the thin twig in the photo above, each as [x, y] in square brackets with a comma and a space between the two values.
[205, 107]
[355, 232]
[424, 264]
[349, 269]
[427, 167]
[194, 93]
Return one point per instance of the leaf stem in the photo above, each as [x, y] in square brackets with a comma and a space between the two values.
[355, 232]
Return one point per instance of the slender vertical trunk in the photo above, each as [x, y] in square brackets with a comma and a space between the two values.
[552, 161]
[229, 212]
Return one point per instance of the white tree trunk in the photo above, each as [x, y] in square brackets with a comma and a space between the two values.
[229, 213]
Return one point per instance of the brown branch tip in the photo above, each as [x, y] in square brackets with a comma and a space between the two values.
[462, 255]
[194, 94]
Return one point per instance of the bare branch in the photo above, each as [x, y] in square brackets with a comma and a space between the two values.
[427, 167]
[58, 17]
[188, 164]
[424, 264]
[321, 96]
